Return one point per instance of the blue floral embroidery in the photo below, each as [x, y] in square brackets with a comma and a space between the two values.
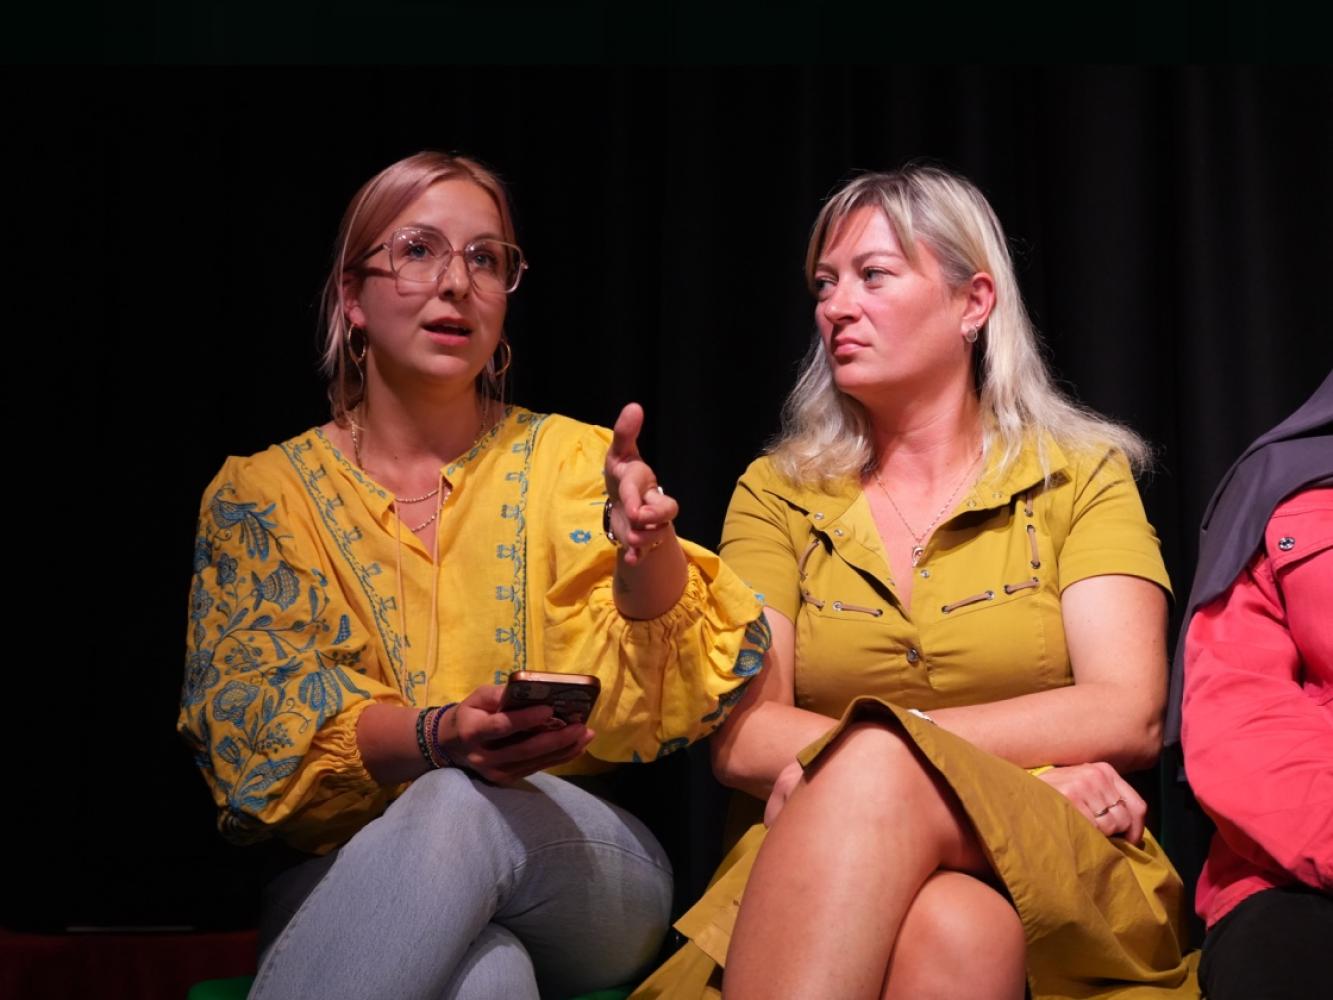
[256, 526]
[231, 702]
[229, 751]
[200, 675]
[517, 635]
[725, 703]
[275, 739]
[201, 602]
[671, 746]
[263, 651]
[322, 691]
[281, 587]
[580, 536]
[248, 795]
[327, 502]
[748, 663]
[352, 470]
[759, 634]
[226, 570]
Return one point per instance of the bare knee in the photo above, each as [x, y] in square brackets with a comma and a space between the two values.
[872, 764]
[960, 938]
[875, 775]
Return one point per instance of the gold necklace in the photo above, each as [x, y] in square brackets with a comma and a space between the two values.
[356, 451]
[919, 548]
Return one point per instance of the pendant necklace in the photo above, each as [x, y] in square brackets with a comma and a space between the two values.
[919, 538]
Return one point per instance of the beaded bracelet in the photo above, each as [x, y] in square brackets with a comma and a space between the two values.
[435, 743]
[422, 744]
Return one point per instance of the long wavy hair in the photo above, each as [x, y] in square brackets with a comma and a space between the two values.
[379, 201]
[826, 434]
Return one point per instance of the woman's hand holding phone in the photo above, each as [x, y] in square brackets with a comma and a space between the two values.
[481, 736]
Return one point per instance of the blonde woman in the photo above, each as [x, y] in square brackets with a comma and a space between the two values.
[968, 611]
[363, 589]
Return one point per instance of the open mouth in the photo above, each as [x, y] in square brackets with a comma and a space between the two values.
[448, 328]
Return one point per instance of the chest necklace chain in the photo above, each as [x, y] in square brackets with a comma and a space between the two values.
[919, 538]
[356, 451]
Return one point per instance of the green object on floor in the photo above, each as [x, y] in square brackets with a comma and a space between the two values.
[239, 987]
[221, 989]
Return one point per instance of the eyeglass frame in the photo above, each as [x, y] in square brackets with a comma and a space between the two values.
[453, 252]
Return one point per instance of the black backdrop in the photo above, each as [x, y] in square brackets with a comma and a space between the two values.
[1171, 227]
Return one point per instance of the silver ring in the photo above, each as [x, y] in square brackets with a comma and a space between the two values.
[1117, 802]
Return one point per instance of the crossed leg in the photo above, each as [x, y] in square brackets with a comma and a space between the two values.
[869, 885]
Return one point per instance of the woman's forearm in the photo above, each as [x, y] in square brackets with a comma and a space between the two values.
[1072, 725]
[751, 750]
[1084, 722]
[387, 741]
[651, 586]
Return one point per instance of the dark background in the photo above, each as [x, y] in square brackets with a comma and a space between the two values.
[1171, 227]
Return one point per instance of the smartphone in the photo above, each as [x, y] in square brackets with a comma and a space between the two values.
[571, 696]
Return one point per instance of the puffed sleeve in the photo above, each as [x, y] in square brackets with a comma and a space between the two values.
[666, 681]
[273, 674]
[1109, 532]
[757, 542]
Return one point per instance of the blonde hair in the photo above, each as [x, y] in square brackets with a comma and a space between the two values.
[379, 201]
[826, 434]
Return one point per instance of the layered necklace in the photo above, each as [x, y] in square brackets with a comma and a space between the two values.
[356, 451]
[919, 538]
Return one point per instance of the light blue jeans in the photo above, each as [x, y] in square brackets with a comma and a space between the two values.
[468, 890]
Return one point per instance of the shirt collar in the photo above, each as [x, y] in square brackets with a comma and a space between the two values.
[508, 432]
[822, 506]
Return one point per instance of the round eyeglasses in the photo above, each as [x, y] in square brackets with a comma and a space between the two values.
[423, 255]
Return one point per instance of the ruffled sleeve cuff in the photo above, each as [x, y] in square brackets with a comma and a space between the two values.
[330, 796]
[667, 681]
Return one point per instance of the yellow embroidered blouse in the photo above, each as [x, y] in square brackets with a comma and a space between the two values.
[985, 621]
[311, 601]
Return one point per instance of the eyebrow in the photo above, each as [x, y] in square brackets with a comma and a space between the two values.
[427, 228]
[861, 258]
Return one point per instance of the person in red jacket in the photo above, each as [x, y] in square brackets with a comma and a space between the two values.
[1257, 730]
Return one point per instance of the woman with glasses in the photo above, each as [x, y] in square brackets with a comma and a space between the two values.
[362, 591]
[968, 611]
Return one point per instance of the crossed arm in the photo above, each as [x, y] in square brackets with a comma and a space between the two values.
[1108, 720]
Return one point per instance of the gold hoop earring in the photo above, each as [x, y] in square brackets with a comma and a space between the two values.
[360, 358]
[350, 396]
[508, 355]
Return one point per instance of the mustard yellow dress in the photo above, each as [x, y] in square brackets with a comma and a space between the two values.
[1103, 918]
[312, 601]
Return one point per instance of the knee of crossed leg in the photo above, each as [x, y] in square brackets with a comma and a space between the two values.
[873, 771]
[961, 937]
[439, 810]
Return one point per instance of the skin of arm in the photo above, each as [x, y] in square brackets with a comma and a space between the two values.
[766, 730]
[386, 736]
[1115, 628]
[651, 566]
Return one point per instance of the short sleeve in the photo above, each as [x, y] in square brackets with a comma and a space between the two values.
[757, 544]
[273, 686]
[1109, 532]
[667, 681]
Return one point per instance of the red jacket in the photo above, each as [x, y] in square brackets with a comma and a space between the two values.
[1258, 713]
